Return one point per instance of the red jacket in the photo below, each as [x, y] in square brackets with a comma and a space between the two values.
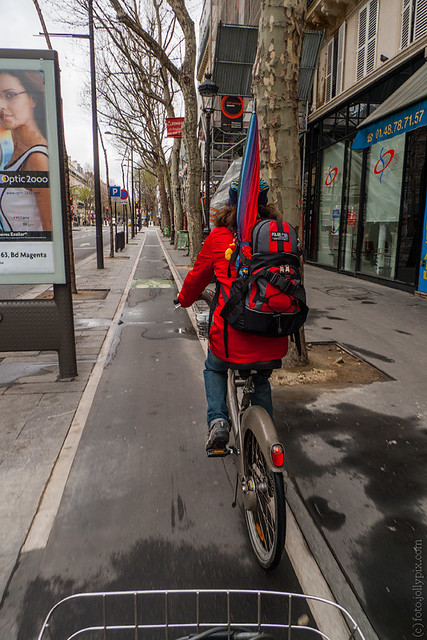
[242, 347]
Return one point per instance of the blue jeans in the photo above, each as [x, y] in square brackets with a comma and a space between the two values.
[215, 375]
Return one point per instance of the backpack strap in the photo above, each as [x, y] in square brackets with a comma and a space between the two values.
[227, 300]
[213, 305]
[231, 301]
[295, 337]
[281, 282]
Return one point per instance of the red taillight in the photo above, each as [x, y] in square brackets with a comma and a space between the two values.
[277, 455]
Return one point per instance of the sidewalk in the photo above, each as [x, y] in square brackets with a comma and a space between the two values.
[356, 453]
[37, 409]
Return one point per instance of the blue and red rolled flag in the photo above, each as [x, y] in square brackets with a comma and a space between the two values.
[247, 205]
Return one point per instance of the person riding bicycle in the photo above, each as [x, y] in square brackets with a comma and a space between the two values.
[242, 350]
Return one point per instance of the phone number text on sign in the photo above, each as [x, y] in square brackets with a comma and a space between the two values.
[400, 126]
[402, 123]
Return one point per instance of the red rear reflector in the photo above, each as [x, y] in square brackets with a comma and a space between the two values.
[277, 455]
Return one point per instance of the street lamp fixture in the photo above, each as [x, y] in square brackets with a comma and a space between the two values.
[208, 90]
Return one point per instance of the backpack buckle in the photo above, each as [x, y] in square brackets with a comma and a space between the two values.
[274, 278]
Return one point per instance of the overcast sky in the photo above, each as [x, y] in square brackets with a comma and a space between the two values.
[20, 26]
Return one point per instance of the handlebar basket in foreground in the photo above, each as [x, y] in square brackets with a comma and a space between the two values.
[237, 614]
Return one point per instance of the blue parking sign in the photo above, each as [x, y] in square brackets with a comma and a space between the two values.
[115, 192]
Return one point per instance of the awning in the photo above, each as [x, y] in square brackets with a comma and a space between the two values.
[235, 52]
[234, 57]
[403, 111]
[310, 52]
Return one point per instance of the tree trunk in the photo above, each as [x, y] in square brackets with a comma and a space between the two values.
[164, 206]
[276, 77]
[176, 189]
[194, 176]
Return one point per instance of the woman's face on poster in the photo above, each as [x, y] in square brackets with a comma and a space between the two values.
[16, 105]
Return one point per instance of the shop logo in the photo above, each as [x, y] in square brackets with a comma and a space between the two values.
[379, 168]
[332, 174]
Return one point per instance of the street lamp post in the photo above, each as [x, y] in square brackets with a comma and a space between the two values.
[96, 174]
[132, 194]
[208, 90]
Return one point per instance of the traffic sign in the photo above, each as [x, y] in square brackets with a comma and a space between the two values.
[124, 194]
[115, 192]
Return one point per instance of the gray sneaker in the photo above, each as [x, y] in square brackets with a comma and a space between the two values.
[219, 435]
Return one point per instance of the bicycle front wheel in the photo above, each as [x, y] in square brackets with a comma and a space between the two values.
[267, 523]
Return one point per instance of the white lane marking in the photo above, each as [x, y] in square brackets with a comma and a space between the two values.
[42, 524]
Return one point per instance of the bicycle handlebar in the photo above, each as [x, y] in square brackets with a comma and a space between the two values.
[207, 296]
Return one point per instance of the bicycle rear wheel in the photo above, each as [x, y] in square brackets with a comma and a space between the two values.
[267, 523]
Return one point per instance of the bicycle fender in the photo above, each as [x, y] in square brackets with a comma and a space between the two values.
[258, 420]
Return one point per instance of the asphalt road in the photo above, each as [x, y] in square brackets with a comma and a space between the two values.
[143, 507]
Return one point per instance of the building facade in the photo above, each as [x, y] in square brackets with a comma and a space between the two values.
[364, 205]
[364, 208]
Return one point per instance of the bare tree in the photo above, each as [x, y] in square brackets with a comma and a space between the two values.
[128, 15]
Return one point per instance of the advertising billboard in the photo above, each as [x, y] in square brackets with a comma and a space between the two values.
[31, 193]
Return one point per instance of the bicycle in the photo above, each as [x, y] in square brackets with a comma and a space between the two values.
[259, 459]
[222, 614]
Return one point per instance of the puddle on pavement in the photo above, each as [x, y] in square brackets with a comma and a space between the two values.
[13, 371]
[352, 293]
[162, 332]
[81, 294]
[91, 323]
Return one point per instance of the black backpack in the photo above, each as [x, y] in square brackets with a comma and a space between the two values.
[269, 298]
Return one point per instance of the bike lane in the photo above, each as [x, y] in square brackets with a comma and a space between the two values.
[143, 508]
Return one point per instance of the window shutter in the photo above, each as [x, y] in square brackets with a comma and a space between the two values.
[361, 43]
[372, 36]
[405, 37]
[367, 39]
[420, 26]
[340, 59]
[329, 69]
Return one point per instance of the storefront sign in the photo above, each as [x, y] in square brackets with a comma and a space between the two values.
[174, 127]
[232, 113]
[401, 122]
[331, 175]
[383, 161]
[31, 223]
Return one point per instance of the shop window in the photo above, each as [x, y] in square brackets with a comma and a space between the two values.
[330, 204]
[414, 21]
[335, 64]
[353, 180]
[367, 39]
[382, 209]
[414, 189]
